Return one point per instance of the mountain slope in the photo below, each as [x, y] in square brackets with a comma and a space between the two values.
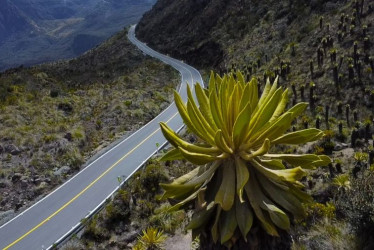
[11, 20]
[45, 30]
[55, 116]
[188, 35]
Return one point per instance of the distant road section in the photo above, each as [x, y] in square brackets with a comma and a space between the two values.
[57, 215]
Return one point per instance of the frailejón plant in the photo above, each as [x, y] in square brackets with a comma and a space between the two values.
[239, 182]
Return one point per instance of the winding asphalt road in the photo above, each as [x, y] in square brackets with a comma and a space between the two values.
[57, 215]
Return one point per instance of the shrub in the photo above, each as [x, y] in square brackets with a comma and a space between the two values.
[238, 182]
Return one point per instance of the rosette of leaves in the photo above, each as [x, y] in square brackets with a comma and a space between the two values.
[238, 181]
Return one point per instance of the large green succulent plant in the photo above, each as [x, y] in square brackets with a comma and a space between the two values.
[238, 181]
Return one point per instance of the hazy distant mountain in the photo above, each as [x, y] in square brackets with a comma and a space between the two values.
[11, 20]
[35, 31]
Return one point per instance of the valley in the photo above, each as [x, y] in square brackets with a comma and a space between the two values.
[43, 31]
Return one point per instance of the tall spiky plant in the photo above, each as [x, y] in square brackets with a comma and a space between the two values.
[239, 182]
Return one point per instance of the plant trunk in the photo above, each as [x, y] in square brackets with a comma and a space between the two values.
[257, 239]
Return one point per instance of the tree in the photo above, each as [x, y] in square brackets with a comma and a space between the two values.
[239, 186]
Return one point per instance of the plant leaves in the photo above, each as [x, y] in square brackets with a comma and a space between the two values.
[244, 217]
[171, 155]
[242, 176]
[299, 137]
[227, 225]
[226, 193]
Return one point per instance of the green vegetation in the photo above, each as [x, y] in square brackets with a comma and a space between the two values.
[240, 185]
[323, 52]
[152, 239]
[54, 117]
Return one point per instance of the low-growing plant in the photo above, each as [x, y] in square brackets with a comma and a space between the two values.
[168, 221]
[151, 239]
[342, 182]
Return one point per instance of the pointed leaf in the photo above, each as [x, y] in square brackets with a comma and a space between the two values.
[244, 217]
[298, 109]
[250, 188]
[226, 193]
[196, 158]
[299, 137]
[279, 218]
[242, 176]
[172, 155]
[214, 230]
[227, 225]
[200, 218]
[241, 123]
[221, 143]
[290, 175]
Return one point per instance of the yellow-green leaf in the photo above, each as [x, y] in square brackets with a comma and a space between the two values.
[298, 109]
[226, 193]
[172, 155]
[196, 158]
[184, 178]
[290, 175]
[242, 176]
[241, 124]
[221, 143]
[204, 106]
[200, 218]
[278, 216]
[299, 137]
[281, 106]
[305, 161]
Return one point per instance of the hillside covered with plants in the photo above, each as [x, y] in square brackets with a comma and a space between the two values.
[54, 117]
[323, 52]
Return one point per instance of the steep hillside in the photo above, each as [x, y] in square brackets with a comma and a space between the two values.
[39, 31]
[55, 116]
[203, 31]
[11, 20]
[323, 51]
[184, 29]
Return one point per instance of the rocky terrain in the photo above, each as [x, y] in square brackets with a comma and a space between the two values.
[54, 117]
[322, 50]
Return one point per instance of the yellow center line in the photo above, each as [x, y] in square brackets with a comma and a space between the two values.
[84, 190]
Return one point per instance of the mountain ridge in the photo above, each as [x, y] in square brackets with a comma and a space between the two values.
[43, 31]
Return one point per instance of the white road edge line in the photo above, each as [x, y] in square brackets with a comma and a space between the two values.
[97, 208]
[66, 182]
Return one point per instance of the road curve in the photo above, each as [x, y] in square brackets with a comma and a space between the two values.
[53, 218]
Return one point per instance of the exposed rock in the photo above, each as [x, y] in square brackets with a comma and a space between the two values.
[61, 171]
[179, 241]
[42, 185]
[130, 236]
[12, 149]
[340, 146]
[4, 216]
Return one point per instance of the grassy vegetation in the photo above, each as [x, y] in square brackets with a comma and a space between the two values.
[321, 51]
[125, 221]
[55, 116]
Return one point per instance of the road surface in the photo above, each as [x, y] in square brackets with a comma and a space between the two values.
[57, 215]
